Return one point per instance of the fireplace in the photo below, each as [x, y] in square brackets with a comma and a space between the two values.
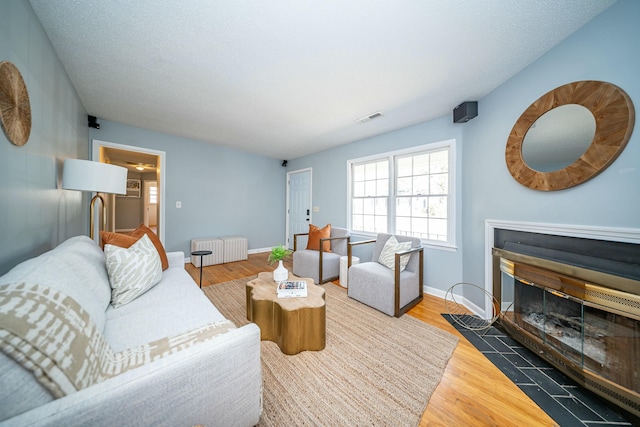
[579, 312]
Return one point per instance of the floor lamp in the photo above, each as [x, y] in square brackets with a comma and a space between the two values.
[86, 175]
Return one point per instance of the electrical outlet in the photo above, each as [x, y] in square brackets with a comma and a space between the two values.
[178, 205]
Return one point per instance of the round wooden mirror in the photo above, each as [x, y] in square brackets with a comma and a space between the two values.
[614, 117]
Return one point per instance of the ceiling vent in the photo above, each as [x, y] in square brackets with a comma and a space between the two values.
[369, 117]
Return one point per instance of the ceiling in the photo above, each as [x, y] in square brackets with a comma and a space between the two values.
[287, 78]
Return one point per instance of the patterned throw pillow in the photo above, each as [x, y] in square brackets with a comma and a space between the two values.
[132, 271]
[387, 256]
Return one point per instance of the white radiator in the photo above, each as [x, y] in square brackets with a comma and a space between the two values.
[213, 244]
[235, 248]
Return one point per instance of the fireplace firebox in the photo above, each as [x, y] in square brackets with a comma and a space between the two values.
[585, 322]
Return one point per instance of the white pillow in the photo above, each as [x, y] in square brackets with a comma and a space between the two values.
[132, 271]
[387, 256]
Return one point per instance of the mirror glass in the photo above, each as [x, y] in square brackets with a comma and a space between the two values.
[558, 138]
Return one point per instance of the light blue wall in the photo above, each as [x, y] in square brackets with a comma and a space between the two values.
[442, 267]
[605, 49]
[35, 215]
[223, 191]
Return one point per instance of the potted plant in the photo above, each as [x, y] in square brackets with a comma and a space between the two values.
[278, 253]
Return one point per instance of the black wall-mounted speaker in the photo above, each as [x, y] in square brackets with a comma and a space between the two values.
[465, 112]
[93, 122]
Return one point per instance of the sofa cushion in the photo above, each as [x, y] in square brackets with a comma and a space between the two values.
[142, 230]
[132, 271]
[173, 306]
[77, 268]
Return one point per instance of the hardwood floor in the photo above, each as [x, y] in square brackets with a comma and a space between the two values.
[472, 392]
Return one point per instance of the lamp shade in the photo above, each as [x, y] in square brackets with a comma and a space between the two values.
[86, 175]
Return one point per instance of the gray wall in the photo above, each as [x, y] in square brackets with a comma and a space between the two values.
[223, 191]
[35, 215]
[604, 49]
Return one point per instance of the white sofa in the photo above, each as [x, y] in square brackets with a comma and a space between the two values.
[208, 373]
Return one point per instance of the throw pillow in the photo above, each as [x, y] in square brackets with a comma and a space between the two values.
[315, 234]
[388, 254]
[132, 271]
[116, 239]
[143, 229]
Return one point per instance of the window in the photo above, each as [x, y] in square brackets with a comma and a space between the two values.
[407, 192]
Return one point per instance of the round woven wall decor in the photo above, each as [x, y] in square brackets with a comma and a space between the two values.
[15, 110]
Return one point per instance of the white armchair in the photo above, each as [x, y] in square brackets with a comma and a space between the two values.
[391, 291]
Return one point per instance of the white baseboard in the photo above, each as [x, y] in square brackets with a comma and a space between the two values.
[468, 304]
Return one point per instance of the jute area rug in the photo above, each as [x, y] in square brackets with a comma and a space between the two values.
[375, 370]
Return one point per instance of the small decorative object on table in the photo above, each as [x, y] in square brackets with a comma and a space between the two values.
[277, 254]
[292, 289]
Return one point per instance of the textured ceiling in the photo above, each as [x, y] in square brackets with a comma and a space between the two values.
[286, 78]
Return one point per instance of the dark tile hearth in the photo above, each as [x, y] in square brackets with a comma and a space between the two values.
[558, 395]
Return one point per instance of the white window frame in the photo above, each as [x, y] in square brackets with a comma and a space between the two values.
[450, 144]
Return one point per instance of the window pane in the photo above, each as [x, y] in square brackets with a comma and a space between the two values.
[419, 206]
[404, 186]
[357, 206]
[404, 166]
[440, 161]
[357, 223]
[439, 184]
[421, 164]
[370, 189]
[381, 207]
[437, 229]
[358, 173]
[382, 169]
[358, 189]
[403, 226]
[438, 207]
[421, 184]
[419, 227]
[403, 206]
[370, 171]
[381, 224]
[369, 223]
[382, 187]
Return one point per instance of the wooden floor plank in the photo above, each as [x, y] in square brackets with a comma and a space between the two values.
[472, 392]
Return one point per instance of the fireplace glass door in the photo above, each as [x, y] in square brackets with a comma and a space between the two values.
[591, 336]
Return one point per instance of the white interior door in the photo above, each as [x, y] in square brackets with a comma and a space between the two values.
[151, 204]
[299, 203]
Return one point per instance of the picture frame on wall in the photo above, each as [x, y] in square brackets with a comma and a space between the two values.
[133, 188]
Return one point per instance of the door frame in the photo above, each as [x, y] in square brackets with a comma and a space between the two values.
[95, 156]
[287, 219]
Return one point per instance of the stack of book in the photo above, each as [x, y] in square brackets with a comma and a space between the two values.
[292, 289]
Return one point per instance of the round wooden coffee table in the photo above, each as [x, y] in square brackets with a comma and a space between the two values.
[295, 324]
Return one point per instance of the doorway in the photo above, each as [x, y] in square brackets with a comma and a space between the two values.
[298, 203]
[144, 165]
[150, 205]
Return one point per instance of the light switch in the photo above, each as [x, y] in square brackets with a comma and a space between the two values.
[316, 208]
[178, 205]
